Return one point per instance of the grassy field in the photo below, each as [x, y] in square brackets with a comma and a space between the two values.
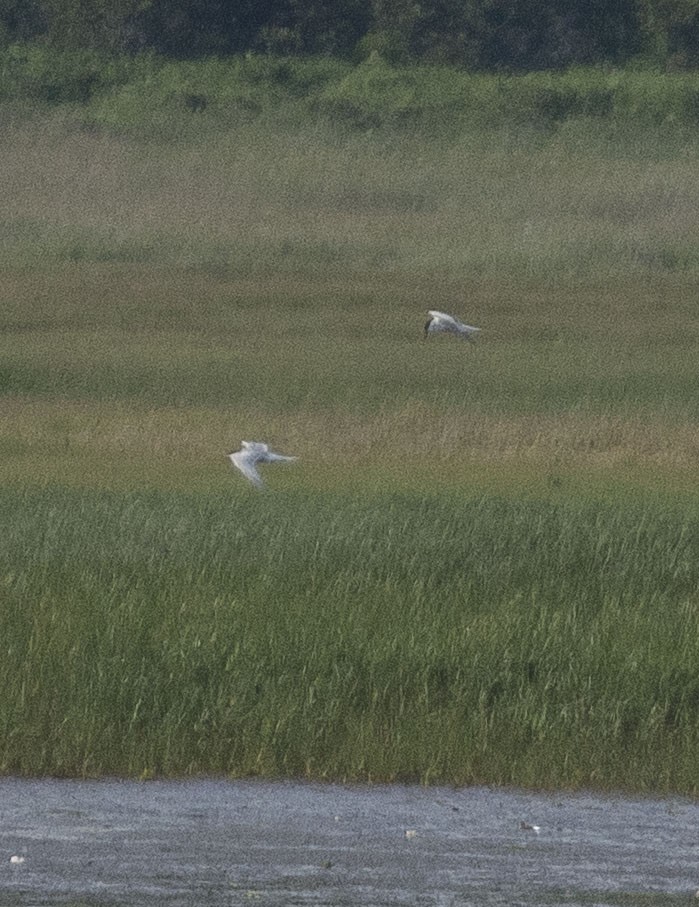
[484, 566]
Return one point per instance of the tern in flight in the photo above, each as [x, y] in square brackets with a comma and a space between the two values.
[441, 323]
[250, 455]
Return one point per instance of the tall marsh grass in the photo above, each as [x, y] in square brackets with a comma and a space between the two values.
[417, 637]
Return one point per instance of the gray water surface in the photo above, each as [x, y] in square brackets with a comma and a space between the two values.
[216, 842]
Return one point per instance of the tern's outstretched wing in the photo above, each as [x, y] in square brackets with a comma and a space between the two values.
[245, 461]
[467, 328]
[450, 323]
[271, 457]
[441, 322]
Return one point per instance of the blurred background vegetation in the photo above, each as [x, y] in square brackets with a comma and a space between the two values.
[480, 35]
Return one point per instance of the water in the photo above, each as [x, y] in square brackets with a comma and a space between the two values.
[214, 842]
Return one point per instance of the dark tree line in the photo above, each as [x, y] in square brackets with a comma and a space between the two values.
[476, 34]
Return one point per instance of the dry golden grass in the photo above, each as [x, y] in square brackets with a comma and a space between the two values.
[119, 445]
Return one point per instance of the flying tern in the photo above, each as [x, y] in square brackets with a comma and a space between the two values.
[250, 455]
[441, 323]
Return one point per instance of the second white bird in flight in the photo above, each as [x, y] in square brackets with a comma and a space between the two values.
[441, 323]
[250, 455]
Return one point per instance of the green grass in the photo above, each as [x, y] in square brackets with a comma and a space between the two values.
[150, 97]
[483, 566]
[455, 638]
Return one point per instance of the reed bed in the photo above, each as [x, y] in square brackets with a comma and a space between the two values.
[433, 637]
